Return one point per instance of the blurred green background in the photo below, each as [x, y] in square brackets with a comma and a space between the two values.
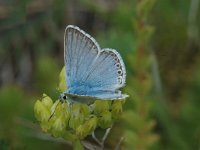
[159, 43]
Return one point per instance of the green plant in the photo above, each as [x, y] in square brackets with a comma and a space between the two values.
[75, 121]
[139, 134]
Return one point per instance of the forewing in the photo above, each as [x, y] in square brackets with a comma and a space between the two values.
[81, 51]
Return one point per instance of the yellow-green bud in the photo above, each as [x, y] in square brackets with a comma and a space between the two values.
[84, 109]
[87, 127]
[100, 106]
[59, 119]
[65, 112]
[78, 113]
[81, 132]
[116, 109]
[58, 126]
[42, 113]
[45, 126]
[75, 109]
[75, 121]
[47, 101]
[105, 119]
[91, 124]
[62, 80]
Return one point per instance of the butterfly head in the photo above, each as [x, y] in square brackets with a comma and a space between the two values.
[63, 97]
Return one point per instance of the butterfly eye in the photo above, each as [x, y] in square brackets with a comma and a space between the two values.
[64, 97]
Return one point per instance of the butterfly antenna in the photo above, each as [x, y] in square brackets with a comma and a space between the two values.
[53, 112]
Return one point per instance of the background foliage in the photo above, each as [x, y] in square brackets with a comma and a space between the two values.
[158, 40]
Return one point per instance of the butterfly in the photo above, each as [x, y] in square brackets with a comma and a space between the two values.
[91, 72]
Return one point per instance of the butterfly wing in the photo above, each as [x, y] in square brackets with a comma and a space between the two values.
[80, 52]
[107, 75]
[90, 70]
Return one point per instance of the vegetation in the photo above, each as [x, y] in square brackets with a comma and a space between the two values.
[159, 43]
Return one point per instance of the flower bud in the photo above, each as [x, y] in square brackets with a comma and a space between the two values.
[75, 121]
[100, 106]
[62, 80]
[41, 112]
[105, 119]
[87, 127]
[46, 126]
[75, 108]
[58, 126]
[116, 109]
[65, 112]
[47, 101]
[81, 132]
[91, 124]
[84, 109]
[59, 118]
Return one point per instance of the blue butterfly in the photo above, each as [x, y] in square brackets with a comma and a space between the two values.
[91, 72]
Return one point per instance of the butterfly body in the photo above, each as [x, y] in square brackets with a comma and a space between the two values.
[91, 72]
